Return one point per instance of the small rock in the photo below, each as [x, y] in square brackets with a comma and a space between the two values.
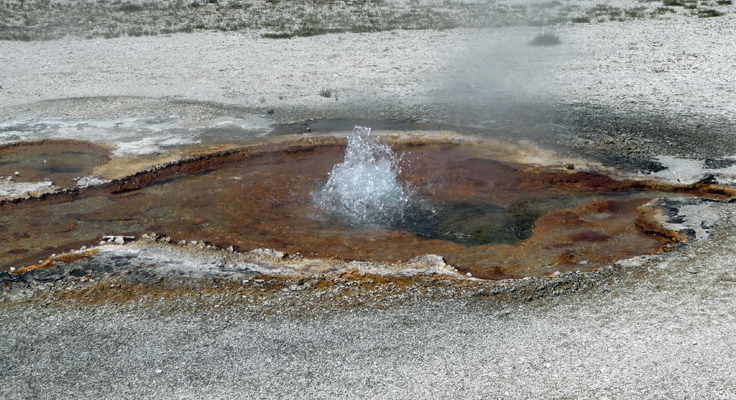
[268, 254]
[430, 260]
[691, 271]
[16, 173]
[158, 371]
[149, 238]
[117, 239]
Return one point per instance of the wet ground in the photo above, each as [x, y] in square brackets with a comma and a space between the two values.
[62, 162]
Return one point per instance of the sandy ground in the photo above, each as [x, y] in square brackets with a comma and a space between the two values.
[666, 332]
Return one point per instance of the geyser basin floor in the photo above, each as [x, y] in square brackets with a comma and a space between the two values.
[260, 197]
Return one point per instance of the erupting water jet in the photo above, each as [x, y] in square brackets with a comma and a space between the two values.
[364, 190]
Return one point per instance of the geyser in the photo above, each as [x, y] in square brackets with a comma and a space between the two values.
[364, 190]
[470, 202]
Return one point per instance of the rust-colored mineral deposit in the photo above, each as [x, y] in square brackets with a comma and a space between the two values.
[261, 197]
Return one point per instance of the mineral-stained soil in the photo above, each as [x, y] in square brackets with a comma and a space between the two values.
[248, 199]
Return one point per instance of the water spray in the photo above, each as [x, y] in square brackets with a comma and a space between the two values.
[364, 191]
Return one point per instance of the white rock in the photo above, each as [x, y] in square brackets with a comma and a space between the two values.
[89, 181]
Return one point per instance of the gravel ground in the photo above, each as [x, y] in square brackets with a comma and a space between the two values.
[43, 20]
[661, 329]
